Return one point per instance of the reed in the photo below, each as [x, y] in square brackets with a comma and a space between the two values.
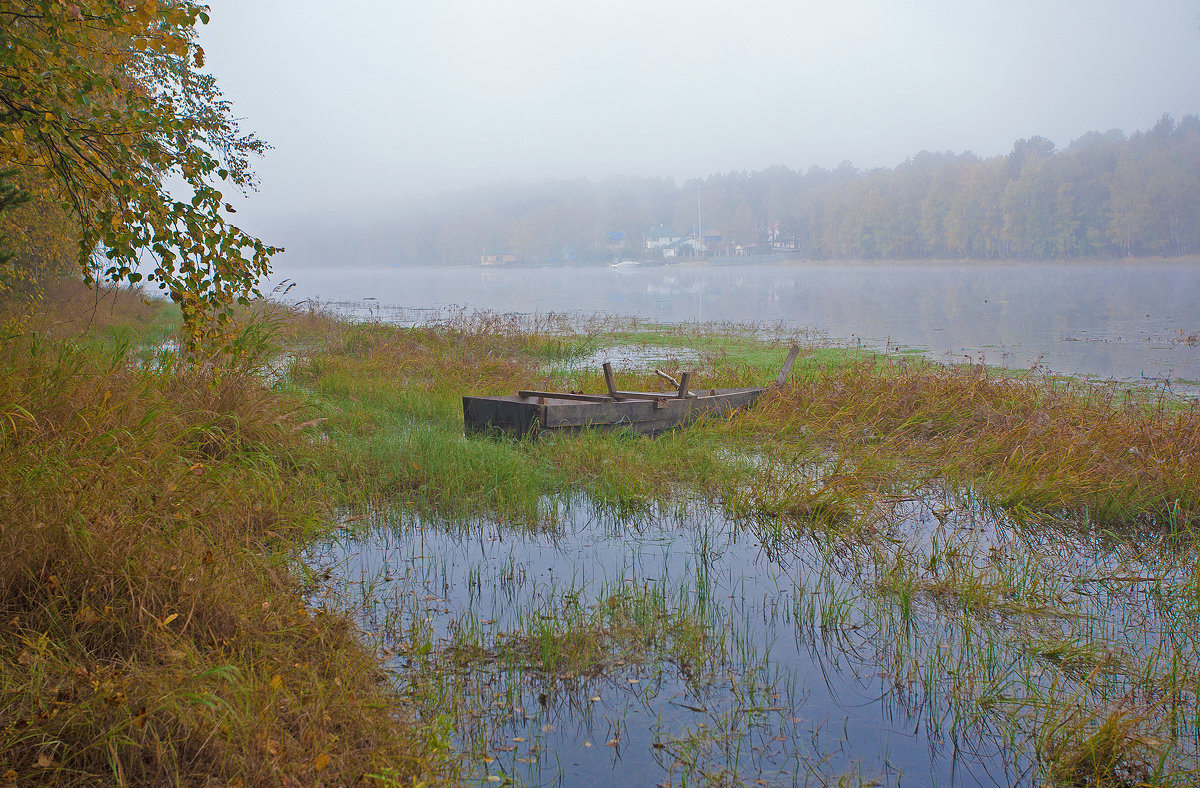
[1041, 444]
[157, 627]
[154, 632]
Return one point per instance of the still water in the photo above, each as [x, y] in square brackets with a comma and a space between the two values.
[1137, 321]
[810, 671]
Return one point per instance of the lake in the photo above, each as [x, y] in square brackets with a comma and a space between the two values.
[1129, 321]
[930, 638]
[809, 673]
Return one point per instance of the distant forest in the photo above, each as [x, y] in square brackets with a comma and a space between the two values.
[1104, 195]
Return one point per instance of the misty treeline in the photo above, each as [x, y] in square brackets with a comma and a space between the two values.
[1104, 195]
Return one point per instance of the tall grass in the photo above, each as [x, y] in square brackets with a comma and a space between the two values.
[153, 631]
[1032, 444]
[833, 454]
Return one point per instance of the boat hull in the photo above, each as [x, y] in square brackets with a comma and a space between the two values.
[515, 415]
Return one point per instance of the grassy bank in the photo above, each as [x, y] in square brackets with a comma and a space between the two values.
[154, 630]
[1096, 487]
[159, 628]
[1042, 445]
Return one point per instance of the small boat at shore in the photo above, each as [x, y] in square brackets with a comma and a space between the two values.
[534, 412]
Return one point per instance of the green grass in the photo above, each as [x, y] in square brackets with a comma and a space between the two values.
[829, 456]
[153, 630]
[154, 612]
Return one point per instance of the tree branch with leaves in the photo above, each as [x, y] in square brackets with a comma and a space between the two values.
[105, 101]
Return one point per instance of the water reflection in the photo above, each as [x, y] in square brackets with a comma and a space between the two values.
[1129, 321]
[920, 655]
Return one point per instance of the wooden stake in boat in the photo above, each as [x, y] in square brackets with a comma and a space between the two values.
[609, 381]
[787, 366]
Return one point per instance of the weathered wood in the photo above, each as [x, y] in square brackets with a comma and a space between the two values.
[642, 395]
[647, 413]
[610, 381]
[621, 395]
[787, 366]
[534, 412]
[667, 377]
[512, 415]
[563, 395]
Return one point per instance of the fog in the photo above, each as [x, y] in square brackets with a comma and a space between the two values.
[375, 105]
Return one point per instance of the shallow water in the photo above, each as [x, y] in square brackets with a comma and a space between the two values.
[816, 669]
[1127, 321]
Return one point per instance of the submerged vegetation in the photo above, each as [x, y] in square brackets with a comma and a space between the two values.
[1016, 553]
[887, 568]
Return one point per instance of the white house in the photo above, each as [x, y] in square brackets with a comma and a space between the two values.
[660, 236]
[496, 258]
[685, 247]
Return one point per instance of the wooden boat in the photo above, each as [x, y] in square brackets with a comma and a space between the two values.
[534, 412]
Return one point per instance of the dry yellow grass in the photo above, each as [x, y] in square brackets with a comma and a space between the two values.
[154, 630]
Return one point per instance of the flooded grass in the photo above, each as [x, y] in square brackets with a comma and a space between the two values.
[889, 572]
[151, 632]
[952, 646]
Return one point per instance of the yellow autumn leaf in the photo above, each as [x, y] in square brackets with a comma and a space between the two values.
[168, 619]
[277, 682]
[321, 762]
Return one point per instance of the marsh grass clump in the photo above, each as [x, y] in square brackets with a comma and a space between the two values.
[1005, 550]
[153, 632]
[1036, 444]
[66, 309]
[391, 402]
[626, 625]
[1112, 747]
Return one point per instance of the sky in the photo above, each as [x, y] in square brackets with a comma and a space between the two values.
[374, 104]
